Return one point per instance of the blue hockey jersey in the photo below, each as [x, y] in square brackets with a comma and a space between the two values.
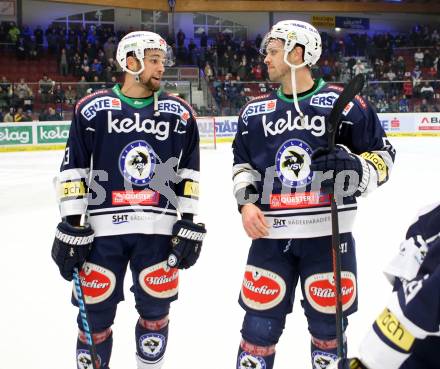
[273, 148]
[131, 165]
[407, 333]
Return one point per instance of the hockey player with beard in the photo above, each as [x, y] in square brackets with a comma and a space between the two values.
[279, 154]
[132, 164]
[406, 334]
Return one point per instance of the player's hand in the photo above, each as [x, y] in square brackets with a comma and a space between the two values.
[71, 247]
[353, 363]
[186, 244]
[254, 222]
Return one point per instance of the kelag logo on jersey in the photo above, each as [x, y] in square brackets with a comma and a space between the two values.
[101, 103]
[173, 107]
[257, 108]
[324, 100]
[137, 162]
[293, 163]
[160, 130]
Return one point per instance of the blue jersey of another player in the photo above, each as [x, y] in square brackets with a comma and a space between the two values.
[272, 153]
[406, 335]
[142, 160]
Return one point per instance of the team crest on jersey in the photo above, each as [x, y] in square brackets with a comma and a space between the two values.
[293, 163]
[152, 345]
[84, 360]
[137, 162]
[321, 359]
[258, 108]
[100, 103]
[248, 361]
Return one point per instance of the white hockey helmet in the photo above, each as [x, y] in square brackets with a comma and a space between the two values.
[137, 42]
[293, 33]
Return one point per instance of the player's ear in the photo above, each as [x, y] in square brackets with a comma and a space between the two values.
[132, 63]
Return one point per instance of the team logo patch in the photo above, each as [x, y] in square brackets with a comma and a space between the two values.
[258, 108]
[293, 161]
[137, 162]
[320, 291]
[321, 359]
[101, 103]
[261, 288]
[97, 283]
[160, 280]
[84, 360]
[324, 100]
[152, 345]
[248, 361]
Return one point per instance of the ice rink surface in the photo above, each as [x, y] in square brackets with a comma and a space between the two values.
[38, 323]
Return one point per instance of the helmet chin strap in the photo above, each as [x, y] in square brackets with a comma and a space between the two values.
[293, 69]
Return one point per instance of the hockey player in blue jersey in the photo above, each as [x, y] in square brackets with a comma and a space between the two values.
[132, 165]
[279, 149]
[406, 334]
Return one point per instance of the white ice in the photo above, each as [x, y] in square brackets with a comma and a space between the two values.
[38, 323]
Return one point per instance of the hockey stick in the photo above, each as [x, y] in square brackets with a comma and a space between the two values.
[350, 91]
[85, 318]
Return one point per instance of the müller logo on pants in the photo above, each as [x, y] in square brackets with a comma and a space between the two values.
[97, 283]
[262, 289]
[320, 291]
[160, 280]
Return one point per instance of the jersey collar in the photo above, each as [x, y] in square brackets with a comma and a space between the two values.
[135, 103]
[321, 83]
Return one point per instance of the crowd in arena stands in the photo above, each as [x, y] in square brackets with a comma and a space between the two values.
[401, 68]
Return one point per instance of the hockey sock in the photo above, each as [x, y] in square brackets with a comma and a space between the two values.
[151, 342]
[253, 356]
[324, 352]
[103, 343]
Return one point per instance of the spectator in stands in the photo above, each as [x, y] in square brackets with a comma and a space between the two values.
[13, 33]
[109, 48]
[96, 68]
[58, 94]
[51, 115]
[394, 104]
[209, 73]
[427, 91]
[416, 75]
[63, 63]
[424, 106]
[70, 95]
[45, 89]
[20, 49]
[408, 86]
[180, 38]
[379, 93]
[257, 71]
[242, 71]
[27, 116]
[10, 115]
[5, 84]
[203, 40]
[418, 57]
[382, 106]
[24, 94]
[1, 116]
[358, 68]
[403, 105]
[81, 88]
[327, 71]
[18, 117]
[39, 35]
[5, 98]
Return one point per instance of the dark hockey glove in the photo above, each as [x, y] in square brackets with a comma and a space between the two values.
[186, 244]
[353, 363]
[339, 159]
[71, 247]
